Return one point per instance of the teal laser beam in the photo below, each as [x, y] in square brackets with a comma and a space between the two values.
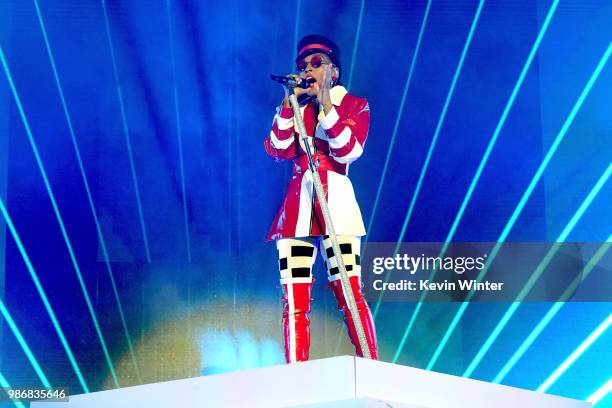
[575, 355]
[441, 120]
[398, 118]
[502, 119]
[552, 311]
[90, 200]
[483, 162]
[585, 204]
[600, 393]
[296, 30]
[356, 43]
[126, 133]
[58, 216]
[537, 273]
[24, 345]
[179, 133]
[43, 296]
[434, 140]
[5, 384]
[522, 202]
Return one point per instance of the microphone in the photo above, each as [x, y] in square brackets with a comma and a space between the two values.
[293, 82]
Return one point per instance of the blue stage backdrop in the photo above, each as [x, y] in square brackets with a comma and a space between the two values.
[136, 194]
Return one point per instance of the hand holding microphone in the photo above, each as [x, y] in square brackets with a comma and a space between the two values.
[293, 81]
[299, 85]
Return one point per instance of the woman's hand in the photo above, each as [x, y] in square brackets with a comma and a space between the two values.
[323, 89]
[297, 91]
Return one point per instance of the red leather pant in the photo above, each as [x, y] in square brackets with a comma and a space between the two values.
[296, 257]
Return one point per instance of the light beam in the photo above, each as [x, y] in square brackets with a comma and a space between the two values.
[92, 207]
[434, 140]
[526, 195]
[43, 296]
[126, 132]
[483, 162]
[538, 272]
[58, 216]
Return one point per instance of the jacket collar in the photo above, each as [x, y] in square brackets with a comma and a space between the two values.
[336, 94]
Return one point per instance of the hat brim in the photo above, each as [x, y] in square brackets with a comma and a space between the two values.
[318, 51]
[313, 51]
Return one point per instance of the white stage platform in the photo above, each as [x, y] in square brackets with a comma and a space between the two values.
[338, 382]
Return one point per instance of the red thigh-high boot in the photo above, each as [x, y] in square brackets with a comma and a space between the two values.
[364, 315]
[296, 324]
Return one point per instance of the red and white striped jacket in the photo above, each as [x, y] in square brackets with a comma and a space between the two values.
[339, 138]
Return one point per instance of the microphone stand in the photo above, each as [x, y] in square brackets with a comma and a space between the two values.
[344, 278]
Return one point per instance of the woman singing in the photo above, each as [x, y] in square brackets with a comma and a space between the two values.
[337, 126]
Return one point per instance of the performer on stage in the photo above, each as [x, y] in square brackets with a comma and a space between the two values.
[337, 125]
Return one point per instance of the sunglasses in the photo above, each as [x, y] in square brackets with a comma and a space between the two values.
[314, 62]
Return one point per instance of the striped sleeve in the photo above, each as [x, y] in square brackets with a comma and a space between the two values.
[347, 130]
[280, 143]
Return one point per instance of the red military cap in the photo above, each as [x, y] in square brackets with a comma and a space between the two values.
[314, 43]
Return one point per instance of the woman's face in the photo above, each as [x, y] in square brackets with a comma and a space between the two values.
[314, 66]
